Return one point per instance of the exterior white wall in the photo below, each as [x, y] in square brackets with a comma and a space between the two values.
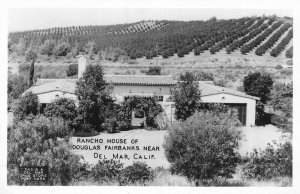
[227, 98]
[81, 66]
[51, 96]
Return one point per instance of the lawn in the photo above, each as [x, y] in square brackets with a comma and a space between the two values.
[253, 137]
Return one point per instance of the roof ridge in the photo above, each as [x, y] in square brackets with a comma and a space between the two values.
[139, 75]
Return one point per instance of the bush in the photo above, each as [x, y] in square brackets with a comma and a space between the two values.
[154, 71]
[107, 171]
[16, 85]
[27, 105]
[204, 146]
[270, 163]
[41, 142]
[72, 70]
[63, 108]
[137, 173]
[278, 67]
[61, 49]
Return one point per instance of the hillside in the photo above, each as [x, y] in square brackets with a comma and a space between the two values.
[259, 35]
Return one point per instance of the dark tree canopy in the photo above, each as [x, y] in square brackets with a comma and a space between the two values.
[31, 57]
[63, 108]
[186, 96]
[27, 105]
[94, 97]
[259, 85]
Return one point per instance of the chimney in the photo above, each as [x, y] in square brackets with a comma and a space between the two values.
[82, 64]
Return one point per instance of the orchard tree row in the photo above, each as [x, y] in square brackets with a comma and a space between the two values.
[261, 50]
[258, 40]
[238, 43]
[289, 52]
[284, 42]
[144, 39]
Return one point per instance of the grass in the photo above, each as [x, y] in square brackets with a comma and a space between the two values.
[163, 177]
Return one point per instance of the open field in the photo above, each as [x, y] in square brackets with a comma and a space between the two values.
[228, 67]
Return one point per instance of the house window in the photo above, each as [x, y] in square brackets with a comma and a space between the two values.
[160, 98]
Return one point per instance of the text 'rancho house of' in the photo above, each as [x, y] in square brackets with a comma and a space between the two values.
[49, 90]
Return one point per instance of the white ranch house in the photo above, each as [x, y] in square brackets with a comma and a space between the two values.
[48, 90]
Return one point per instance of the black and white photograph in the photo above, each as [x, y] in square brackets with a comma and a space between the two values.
[149, 96]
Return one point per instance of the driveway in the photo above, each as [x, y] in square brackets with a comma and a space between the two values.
[150, 145]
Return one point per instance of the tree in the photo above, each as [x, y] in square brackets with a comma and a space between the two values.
[259, 85]
[61, 49]
[27, 105]
[204, 146]
[94, 98]
[31, 57]
[186, 95]
[48, 47]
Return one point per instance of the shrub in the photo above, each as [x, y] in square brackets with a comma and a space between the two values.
[282, 103]
[72, 70]
[137, 173]
[154, 71]
[204, 146]
[16, 85]
[27, 105]
[61, 49]
[270, 163]
[107, 171]
[41, 142]
[63, 108]
[278, 67]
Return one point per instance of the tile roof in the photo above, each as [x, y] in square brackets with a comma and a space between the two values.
[140, 79]
[69, 85]
[208, 89]
[123, 79]
[58, 85]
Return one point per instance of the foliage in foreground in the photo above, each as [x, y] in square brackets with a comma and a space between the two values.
[274, 161]
[26, 106]
[204, 146]
[41, 142]
[111, 172]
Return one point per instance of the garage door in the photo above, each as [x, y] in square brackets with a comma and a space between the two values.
[241, 108]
